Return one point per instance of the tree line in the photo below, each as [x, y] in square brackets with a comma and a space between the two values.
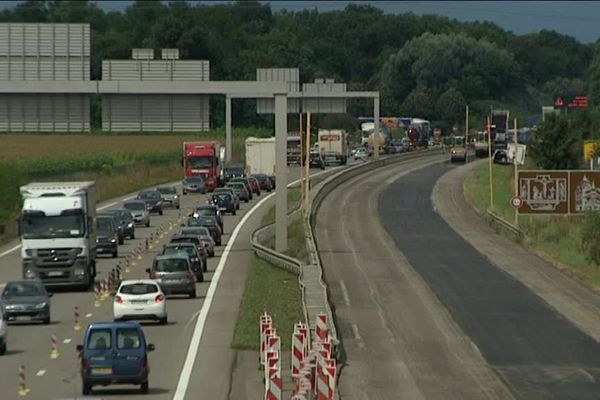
[427, 66]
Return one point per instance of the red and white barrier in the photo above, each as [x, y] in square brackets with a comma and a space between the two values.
[297, 353]
[322, 327]
[265, 324]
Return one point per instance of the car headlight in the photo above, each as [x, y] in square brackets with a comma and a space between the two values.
[41, 305]
[9, 307]
[129, 225]
[113, 240]
[176, 197]
[78, 271]
[30, 274]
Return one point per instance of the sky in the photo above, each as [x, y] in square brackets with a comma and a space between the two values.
[580, 19]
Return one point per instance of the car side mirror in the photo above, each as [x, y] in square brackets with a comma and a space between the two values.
[79, 347]
[150, 347]
[148, 270]
[50, 294]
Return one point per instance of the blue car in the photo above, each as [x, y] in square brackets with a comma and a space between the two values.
[114, 353]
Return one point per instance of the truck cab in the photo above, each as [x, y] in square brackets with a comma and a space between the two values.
[58, 235]
[204, 159]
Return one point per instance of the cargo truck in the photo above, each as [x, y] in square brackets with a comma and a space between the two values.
[260, 156]
[58, 235]
[204, 159]
[333, 146]
[499, 129]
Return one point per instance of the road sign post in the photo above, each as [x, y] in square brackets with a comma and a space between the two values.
[516, 174]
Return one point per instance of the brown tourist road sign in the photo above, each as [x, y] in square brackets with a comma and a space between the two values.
[559, 192]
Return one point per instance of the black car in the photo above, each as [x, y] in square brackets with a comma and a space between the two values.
[225, 202]
[198, 261]
[213, 226]
[234, 171]
[120, 228]
[26, 299]
[264, 182]
[107, 235]
[316, 160]
[196, 241]
[209, 210]
[126, 221]
[153, 200]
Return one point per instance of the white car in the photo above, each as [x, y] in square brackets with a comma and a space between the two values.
[361, 153]
[138, 299]
[3, 333]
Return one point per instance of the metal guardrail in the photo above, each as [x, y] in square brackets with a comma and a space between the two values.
[512, 228]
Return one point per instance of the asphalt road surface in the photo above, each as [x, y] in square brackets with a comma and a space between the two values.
[30, 344]
[533, 348]
[399, 340]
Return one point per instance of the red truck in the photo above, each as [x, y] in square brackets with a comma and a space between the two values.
[203, 158]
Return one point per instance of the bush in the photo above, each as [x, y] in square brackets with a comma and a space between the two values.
[591, 237]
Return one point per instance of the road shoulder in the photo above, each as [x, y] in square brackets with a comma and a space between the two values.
[575, 302]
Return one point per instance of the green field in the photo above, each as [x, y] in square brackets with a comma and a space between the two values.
[275, 291]
[556, 238]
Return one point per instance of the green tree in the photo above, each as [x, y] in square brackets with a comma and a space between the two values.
[450, 106]
[594, 77]
[555, 145]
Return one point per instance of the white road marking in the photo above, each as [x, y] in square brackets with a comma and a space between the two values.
[41, 372]
[106, 206]
[88, 315]
[188, 365]
[17, 247]
[345, 293]
[129, 198]
[66, 341]
[356, 332]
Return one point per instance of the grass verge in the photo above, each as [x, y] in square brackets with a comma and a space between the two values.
[275, 291]
[558, 239]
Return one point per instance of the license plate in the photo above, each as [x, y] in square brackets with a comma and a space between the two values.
[22, 318]
[55, 273]
[102, 371]
[139, 301]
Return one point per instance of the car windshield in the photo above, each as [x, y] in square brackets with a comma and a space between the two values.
[193, 222]
[260, 178]
[199, 162]
[39, 226]
[104, 224]
[128, 338]
[134, 206]
[200, 230]
[207, 221]
[100, 339]
[222, 196]
[139, 288]
[171, 265]
[185, 239]
[180, 251]
[24, 289]
[195, 179]
[167, 190]
[235, 170]
[147, 195]
[204, 211]
[236, 185]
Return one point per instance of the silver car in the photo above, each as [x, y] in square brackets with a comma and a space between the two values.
[174, 274]
[169, 196]
[138, 209]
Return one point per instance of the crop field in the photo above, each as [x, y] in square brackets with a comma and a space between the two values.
[115, 161]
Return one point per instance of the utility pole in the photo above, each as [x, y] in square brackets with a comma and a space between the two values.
[307, 159]
[489, 131]
[301, 169]
[467, 144]
[516, 171]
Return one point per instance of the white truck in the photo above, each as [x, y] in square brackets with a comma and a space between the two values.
[260, 156]
[58, 233]
[333, 145]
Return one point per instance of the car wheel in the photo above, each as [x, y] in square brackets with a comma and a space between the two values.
[219, 242]
[163, 321]
[160, 212]
[132, 236]
[212, 253]
[200, 278]
[87, 388]
[184, 193]
[246, 200]
[115, 254]
[193, 294]
[204, 268]
[121, 239]
[3, 349]
[178, 207]
[147, 223]
[46, 321]
[144, 387]
[237, 207]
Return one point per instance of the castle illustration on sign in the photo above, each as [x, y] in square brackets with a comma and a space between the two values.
[587, 196]
[543, 192]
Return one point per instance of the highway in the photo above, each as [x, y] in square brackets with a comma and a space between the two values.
[47, 378]
[531, 346]
[399, 341]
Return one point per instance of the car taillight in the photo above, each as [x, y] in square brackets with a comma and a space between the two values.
[119, 299]
[160, 298]
[85, 364]
[152, 275]
[144, 362]
[191, 275]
